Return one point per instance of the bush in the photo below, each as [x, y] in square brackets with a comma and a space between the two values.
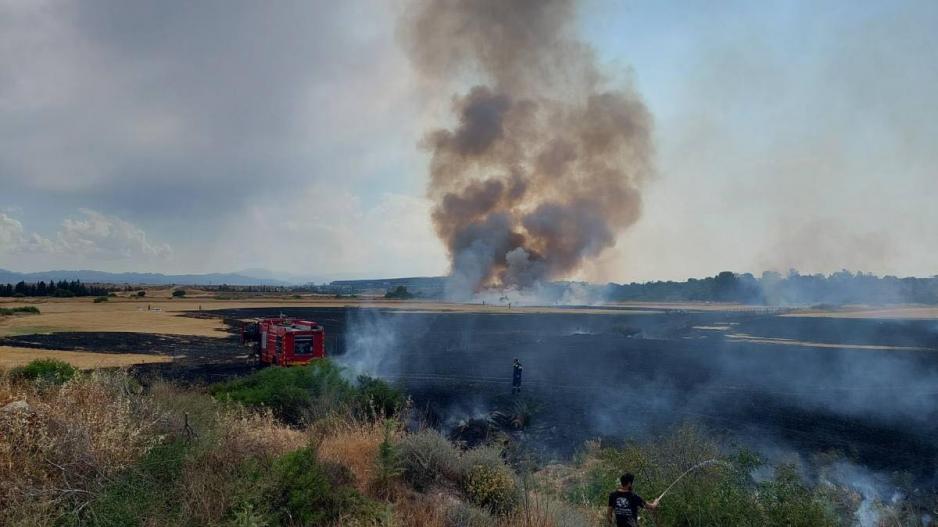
[400, 293]
[377, 398]
[63, 293]
[141, 293]
[292, 393]
[143, 495]
[488, 455]
[179, 293]
[47, 370]
[427, 458]
[491, 487]
[23, 309]
[388, 465]
[99, 299]
[307, 492]
[787, 502]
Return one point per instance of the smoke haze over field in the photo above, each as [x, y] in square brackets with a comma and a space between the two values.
[546, 161]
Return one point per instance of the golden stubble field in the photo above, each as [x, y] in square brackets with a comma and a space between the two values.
[164, 315]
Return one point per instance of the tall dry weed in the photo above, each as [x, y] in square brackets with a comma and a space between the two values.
[541, 510]
[58, 449]
[354, 444]
[419, 510]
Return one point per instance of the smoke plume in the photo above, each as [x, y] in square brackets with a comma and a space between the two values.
[546, 159]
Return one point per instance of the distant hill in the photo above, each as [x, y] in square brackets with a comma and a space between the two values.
[101, 277]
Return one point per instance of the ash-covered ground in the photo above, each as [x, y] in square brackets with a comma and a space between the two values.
[865, 388]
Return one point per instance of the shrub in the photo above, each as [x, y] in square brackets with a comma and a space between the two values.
[491, 487]
[141, 293]
[46, 370]
[387, 462]
[292, 393]
[22, 309]
[377, 398]
[427, 458]
[227, 466]
[143, 495]
[487, 455]
[99, 299]
[487, 481]
[400, 293]
[179, 293]
[307, 492]
[63, 293]
[787, 502]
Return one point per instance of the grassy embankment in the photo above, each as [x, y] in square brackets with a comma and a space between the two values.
[303, 446]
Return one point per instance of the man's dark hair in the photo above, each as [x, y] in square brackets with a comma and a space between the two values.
[627, 479]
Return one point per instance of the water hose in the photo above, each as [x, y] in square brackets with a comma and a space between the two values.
[688, 471]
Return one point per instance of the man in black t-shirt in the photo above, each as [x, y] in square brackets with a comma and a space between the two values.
[624, 504]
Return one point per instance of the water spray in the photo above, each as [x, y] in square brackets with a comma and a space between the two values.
[688, 471]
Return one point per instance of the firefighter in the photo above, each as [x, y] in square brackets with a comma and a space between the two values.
[516, 377]
[625, 504]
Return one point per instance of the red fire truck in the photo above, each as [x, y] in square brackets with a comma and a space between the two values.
[285, 341]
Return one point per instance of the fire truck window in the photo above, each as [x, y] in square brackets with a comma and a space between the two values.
[302, 348]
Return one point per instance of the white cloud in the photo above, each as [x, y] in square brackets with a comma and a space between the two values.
[109, 237]
[91, 237]
[11, 233]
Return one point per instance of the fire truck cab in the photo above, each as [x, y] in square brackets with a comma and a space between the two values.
[285, 341]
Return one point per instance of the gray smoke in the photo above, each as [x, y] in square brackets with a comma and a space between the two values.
[546, 162]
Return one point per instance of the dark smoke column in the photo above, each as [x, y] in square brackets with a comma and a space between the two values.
[545, 164]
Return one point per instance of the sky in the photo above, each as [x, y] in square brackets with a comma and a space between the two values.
[215, 136]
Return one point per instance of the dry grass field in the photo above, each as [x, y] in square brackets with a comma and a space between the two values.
[893, 312]
[11, 357]
[164, 315]
[82, 314]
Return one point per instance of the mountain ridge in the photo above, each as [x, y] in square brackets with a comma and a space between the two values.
[135, 278]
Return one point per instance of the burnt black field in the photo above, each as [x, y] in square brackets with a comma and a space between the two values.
[622, 375]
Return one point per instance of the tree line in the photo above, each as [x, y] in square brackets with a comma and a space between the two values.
[773, 288]
[62, 288]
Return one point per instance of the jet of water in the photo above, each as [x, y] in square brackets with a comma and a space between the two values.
[688, 471]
